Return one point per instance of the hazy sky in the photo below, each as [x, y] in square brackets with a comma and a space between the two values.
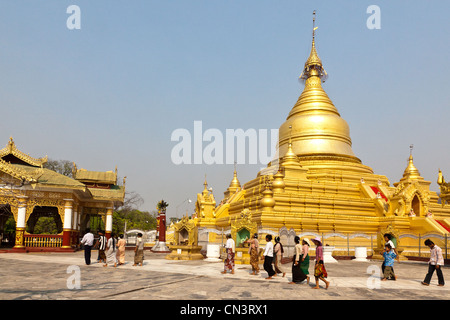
[111, 93]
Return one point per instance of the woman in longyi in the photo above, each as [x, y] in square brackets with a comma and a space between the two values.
[253, 250]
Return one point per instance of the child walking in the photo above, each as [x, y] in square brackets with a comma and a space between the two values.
[389, 257]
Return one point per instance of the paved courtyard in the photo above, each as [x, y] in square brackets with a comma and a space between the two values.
[55, 275]
[64, 276]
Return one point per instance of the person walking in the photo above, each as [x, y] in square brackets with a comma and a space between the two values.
[304, 265]
[87, 241]
[230, 248]
[436, 262]
[389, 257]
[111, 255]
[139, 251]
[320, 273]
[388, 240]
[297, 274]
[101, 245]
[268, 257]
[278, 255]
[121, 250]
[253, 250]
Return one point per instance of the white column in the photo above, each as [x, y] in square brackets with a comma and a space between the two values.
[21, 213]
[67, 228]
[80, 212]
[68, 209]
[109, 216]
[75, 218]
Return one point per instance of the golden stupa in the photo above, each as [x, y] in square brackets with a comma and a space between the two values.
[319, 187]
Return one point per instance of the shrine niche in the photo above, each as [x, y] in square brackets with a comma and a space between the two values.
[185, 244]
[410, 200]
[242, 229]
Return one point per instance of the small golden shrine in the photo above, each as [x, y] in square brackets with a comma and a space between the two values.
[242, 229]
[185, 244]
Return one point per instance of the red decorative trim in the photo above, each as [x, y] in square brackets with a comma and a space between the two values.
[376, 190]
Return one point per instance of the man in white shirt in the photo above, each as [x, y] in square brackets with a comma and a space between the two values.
[436, 262]
[268, 257]
[87, 242]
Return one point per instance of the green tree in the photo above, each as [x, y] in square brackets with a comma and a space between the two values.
[46, 225]
[134, 219]
[63, 167]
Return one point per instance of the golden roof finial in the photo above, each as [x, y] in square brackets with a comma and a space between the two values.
[411, 171]
[313, 66]
[205, 189]
[11, 143]
[235, 184]
[441, 179]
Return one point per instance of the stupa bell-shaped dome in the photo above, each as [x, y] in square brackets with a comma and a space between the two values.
[411, 172]
[314, 125]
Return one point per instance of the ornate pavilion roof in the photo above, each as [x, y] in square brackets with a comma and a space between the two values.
[107, 177]
[19, 168]
[11, 149]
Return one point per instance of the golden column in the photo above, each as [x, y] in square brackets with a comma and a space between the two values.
[20, 223]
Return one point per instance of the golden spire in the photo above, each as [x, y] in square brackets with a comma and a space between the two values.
[205, 189]
[314, 125]
[411, 172]
[290, 157]
[313, 65]
[235, 184]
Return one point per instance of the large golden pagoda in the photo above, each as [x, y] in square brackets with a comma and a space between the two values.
[319, 186]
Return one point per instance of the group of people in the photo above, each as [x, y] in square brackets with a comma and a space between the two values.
[435, 263]
[273, 254]
[111, 250]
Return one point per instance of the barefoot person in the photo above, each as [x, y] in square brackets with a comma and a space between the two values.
[278, 255]
[253, 250]
[111, 254]
[139, 251]
[389, 256]
[268, 257]
[297, 274]
[231, 249]
[436, 263]
[320, 273]
[121, 250]
[304, 265]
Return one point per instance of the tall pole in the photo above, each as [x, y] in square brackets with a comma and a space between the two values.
[162, 225]
[160, 245]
